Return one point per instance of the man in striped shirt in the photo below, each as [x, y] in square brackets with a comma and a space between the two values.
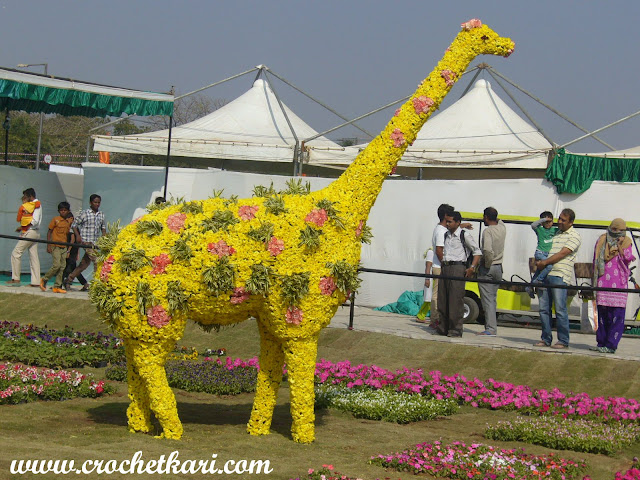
[562, 256]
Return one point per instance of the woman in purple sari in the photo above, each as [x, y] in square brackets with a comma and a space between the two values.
[611, 258]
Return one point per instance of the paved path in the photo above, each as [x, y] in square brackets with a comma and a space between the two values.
[518, 337]
[366, 319]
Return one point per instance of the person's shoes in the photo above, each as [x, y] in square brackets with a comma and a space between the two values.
[559, 346]
[529, 291]
[34, 285]
[486, 333]
[541, 344]
[85, 288]
[421, 320]
[58, 290]
[606, 350]
[43, 285]
[13, 282]
[431, 330]
[595, 349]
[454, 335]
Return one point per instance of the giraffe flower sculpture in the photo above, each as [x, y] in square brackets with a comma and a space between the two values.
[287, 259]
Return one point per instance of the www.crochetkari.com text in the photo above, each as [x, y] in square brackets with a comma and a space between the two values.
[164, 465]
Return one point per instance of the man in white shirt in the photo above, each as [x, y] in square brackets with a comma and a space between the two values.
[29, 217]
[451, 292]
[437, 240]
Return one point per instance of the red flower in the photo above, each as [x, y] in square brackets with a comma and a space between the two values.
[398, 138]
[293, 315]
[359, 228]
[317, 216]
[239, 295]
[422, 104]
[327, 285]
[248, 212]
[449, 77]
[158, 317]
[105, 271]
[473, 23]
[275, 246]
[160, 264]
[221, 249]
[175, 222]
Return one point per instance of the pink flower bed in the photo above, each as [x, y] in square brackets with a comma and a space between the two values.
[476, 393]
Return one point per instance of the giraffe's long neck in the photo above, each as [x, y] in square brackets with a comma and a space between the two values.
[361, 183]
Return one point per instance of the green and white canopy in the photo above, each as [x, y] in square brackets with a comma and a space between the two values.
[40, 93]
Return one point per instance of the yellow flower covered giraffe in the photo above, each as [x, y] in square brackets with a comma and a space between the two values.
[287, 259]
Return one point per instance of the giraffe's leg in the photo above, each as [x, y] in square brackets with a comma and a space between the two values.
[138, 413]
[269, 378]
[150, 360]
[300, 357]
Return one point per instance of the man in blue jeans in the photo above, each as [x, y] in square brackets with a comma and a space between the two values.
[562, 256]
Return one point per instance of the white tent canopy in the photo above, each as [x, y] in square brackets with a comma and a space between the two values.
[478, 131]
[251, 127]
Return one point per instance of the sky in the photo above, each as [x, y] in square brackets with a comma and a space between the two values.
[581, 57]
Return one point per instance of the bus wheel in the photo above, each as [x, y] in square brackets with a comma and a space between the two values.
[471, 310]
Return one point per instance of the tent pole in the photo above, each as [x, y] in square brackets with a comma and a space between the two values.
[522, 109]
[166, 168]
[217, 83]
[318, 102]
[295, 158]
[357, 118]
[564, 117]
[6, 126]
[601, 129]
[472, 81]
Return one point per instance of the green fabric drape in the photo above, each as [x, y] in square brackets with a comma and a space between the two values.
[38, 98]
[572, 173]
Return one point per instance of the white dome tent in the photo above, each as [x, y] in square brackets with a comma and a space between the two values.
[478, 131]
[251, 127]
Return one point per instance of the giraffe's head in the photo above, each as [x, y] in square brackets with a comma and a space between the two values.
[485, 41]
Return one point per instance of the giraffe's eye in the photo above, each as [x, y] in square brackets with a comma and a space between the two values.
[484, 37]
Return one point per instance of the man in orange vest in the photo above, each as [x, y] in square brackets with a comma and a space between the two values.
[29, 218]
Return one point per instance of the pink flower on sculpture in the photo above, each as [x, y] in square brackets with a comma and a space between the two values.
[239, 295]
[105, 271]
[293, 315]
[327, 285]
[359, 228]
[160, 264]
[317, 216]
[247, 212]
[449, 77]
[275, 246]
[136, 220]
[398, 138]
[393, 170]
[158, 317]
[473, 23]
[422, 104]
[175, 221]
[221, 249]
[510, 51]
[397, 112]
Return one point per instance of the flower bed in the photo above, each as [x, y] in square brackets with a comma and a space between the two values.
[567, 434]
[57, 348]
[210, 376]
[325, 473]
[476, 393]
[384, 405]
[478, 461]
[19, 384]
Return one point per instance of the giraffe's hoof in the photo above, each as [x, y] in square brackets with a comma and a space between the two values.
[258, 429]
[304, 435]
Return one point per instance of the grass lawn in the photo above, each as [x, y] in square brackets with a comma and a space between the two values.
[82, 429]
